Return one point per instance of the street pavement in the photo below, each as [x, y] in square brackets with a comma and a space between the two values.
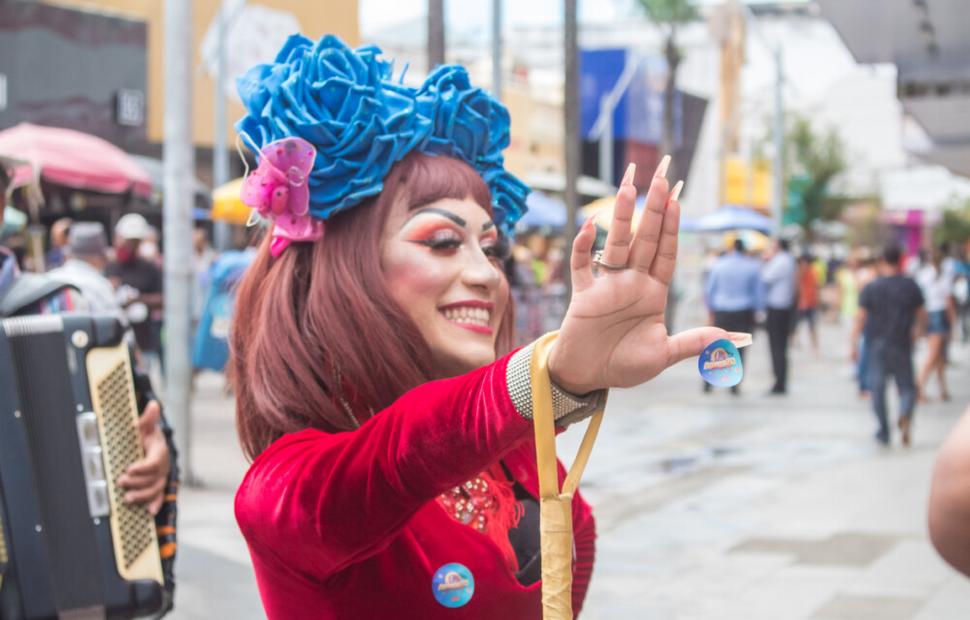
[708, 506]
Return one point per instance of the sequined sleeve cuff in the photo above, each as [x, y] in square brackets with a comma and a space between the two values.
[567, 408]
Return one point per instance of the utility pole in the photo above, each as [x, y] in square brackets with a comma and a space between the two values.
[571, 145]
[177, 219]
[778, 171]
[497, 49]
[778, 130]
[436, 33]
[220, 154]
[668, 145]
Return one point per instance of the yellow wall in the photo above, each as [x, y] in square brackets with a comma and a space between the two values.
[338, 17]
[536, 132]
[748, 184]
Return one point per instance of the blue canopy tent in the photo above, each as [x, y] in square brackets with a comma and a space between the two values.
[544, 212]
[729, 217]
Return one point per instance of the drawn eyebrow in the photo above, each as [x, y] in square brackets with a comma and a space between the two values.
[448, 214]
[488, 225]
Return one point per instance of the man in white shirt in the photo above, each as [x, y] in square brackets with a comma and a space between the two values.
[86, 258]
[779, 277]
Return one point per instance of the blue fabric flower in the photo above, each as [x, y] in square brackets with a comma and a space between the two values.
[335, 98]
[344, 102]
[468, 122]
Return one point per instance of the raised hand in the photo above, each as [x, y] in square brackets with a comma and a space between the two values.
[613, 334]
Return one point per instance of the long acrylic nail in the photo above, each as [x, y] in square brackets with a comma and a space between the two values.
[740, 339]
[631, 172]
[662, 168]
[675, 193]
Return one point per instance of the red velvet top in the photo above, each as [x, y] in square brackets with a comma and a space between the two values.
[346, 525]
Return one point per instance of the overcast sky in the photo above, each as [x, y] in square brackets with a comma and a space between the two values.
[376, 15]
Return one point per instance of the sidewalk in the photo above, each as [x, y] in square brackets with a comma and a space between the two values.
[708, 506]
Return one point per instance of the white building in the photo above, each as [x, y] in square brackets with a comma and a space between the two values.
[823, 82]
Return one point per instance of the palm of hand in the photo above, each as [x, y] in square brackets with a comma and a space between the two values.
[619, 324]
[613, 334]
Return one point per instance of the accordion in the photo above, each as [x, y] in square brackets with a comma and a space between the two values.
[69, 546]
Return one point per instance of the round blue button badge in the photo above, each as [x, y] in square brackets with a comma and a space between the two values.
[453, 585]
[720, 364]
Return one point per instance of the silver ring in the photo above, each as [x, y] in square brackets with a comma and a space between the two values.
[598, 259]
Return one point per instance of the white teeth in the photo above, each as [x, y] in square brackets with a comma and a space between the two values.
[468, 314]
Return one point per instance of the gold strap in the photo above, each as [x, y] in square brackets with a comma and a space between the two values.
[555, 516]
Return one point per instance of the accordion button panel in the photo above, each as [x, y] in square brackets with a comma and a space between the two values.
[98, 499]
[87, 426]
[92, 457]
[94, 465]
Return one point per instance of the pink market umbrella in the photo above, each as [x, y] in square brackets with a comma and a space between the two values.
[75, 159]
[19, 171]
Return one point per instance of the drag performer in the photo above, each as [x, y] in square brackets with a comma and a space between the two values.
[388, 421]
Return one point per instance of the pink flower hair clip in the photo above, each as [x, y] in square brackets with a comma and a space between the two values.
[277, 189]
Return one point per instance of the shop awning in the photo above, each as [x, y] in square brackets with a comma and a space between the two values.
[75, 159]
[927, 41]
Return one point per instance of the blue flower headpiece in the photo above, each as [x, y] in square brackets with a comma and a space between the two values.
[345, 104]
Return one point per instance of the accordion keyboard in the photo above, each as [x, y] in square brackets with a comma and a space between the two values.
[121, 450]
[132, 526]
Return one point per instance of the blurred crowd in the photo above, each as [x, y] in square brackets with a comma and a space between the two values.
[890, 299]
[784, 291]
[120, 275]
[536, 274]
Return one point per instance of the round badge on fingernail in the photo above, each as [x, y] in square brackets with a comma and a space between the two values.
[720, 364]
[453, 585]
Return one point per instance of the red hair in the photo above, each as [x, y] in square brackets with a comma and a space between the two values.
[298, 357]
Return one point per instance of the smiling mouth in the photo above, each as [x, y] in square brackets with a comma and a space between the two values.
[474, 319]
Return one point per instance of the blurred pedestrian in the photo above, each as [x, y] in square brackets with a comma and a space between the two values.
[203, 256]
[830, 293]
[914, 263]
[86, 258]
[525, 291]
[891, 315]
[139, 283]
[59, 232]
[210, 348]
[149, 248]
[961, 294]
[866, 273]
[734, 293]
[779, 277]
[936, 283]
[808, 297]
[848, 285]
[951, 265]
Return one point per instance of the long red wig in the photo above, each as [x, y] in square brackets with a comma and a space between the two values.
[317, 341]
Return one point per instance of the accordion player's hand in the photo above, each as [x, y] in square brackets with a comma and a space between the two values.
[144, 481]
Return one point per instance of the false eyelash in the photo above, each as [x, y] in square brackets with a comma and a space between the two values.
[501, 250]
[441, 244]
